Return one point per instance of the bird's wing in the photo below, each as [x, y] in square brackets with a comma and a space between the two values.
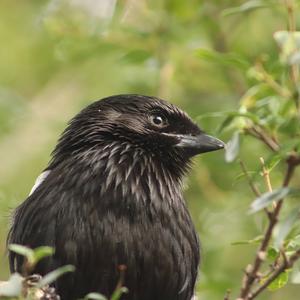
[33, 222]
[39, 180]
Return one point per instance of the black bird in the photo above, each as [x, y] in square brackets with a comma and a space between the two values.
[111, 195]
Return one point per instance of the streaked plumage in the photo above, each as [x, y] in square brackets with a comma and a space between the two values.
[112, 196]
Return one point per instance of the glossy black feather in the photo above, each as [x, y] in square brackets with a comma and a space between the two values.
[113, 197]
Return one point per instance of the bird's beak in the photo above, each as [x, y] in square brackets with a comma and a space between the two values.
[199, 144]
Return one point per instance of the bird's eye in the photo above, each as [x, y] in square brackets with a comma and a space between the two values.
[158, 121]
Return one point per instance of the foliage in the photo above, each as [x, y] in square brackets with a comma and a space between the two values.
[269, 111]
[237, 58]
[34, 287]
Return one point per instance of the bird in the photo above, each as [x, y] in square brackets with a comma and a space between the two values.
[111, 196]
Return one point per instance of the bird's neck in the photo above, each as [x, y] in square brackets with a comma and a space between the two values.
[126, 171]
[135, 169]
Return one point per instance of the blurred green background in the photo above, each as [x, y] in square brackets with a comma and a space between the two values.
[58, 56]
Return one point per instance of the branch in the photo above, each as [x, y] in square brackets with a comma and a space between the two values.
[260, 134]
[266, 175]
[287, 264]
[227, 295]
[251, 274]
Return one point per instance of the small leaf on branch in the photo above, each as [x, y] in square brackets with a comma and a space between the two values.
[272, 161]
[256, 240]
[136, 56]
[272, 253]
[33, 256]
[279, 282]
[42, 252]
[243, 175]
[233, 147]
[24, 251]
[94, 296]
[271, 197]
[237, 120]
[285, 227]
[228, 59]
[245, 7]
[118, 293]
[52, 276]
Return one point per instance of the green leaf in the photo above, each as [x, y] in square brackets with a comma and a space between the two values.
[246, 7]
[248, 100]
[33, 256]
[227, 122]
[243, 175]
[24, 251]
[118, 293]
[240, 124]
[256, 240]
[135, 56]
[227, 59]
[279, 282]
[290, 145]
[211, 115]
[270, 197]
[42, 252]
[272, 253]
[12, 287]
[52, 276]
[232, 148]
[291, 126]
[285, 227]
[272, 161]
[94, 296]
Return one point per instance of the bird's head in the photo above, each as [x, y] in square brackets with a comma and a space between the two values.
[146, 124]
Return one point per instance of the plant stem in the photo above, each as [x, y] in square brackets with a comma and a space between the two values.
[266, 174]
[251, 275]
[283, 267]
[250, 182]
[260, 134]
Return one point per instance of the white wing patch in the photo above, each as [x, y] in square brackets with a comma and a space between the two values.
[39, 180]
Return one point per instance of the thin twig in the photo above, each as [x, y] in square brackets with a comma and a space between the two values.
[260, 134]
[227, 295]
[122, 269]
[266, 175]
[249, 179]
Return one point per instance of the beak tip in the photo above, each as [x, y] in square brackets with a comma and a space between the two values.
[221, 145]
